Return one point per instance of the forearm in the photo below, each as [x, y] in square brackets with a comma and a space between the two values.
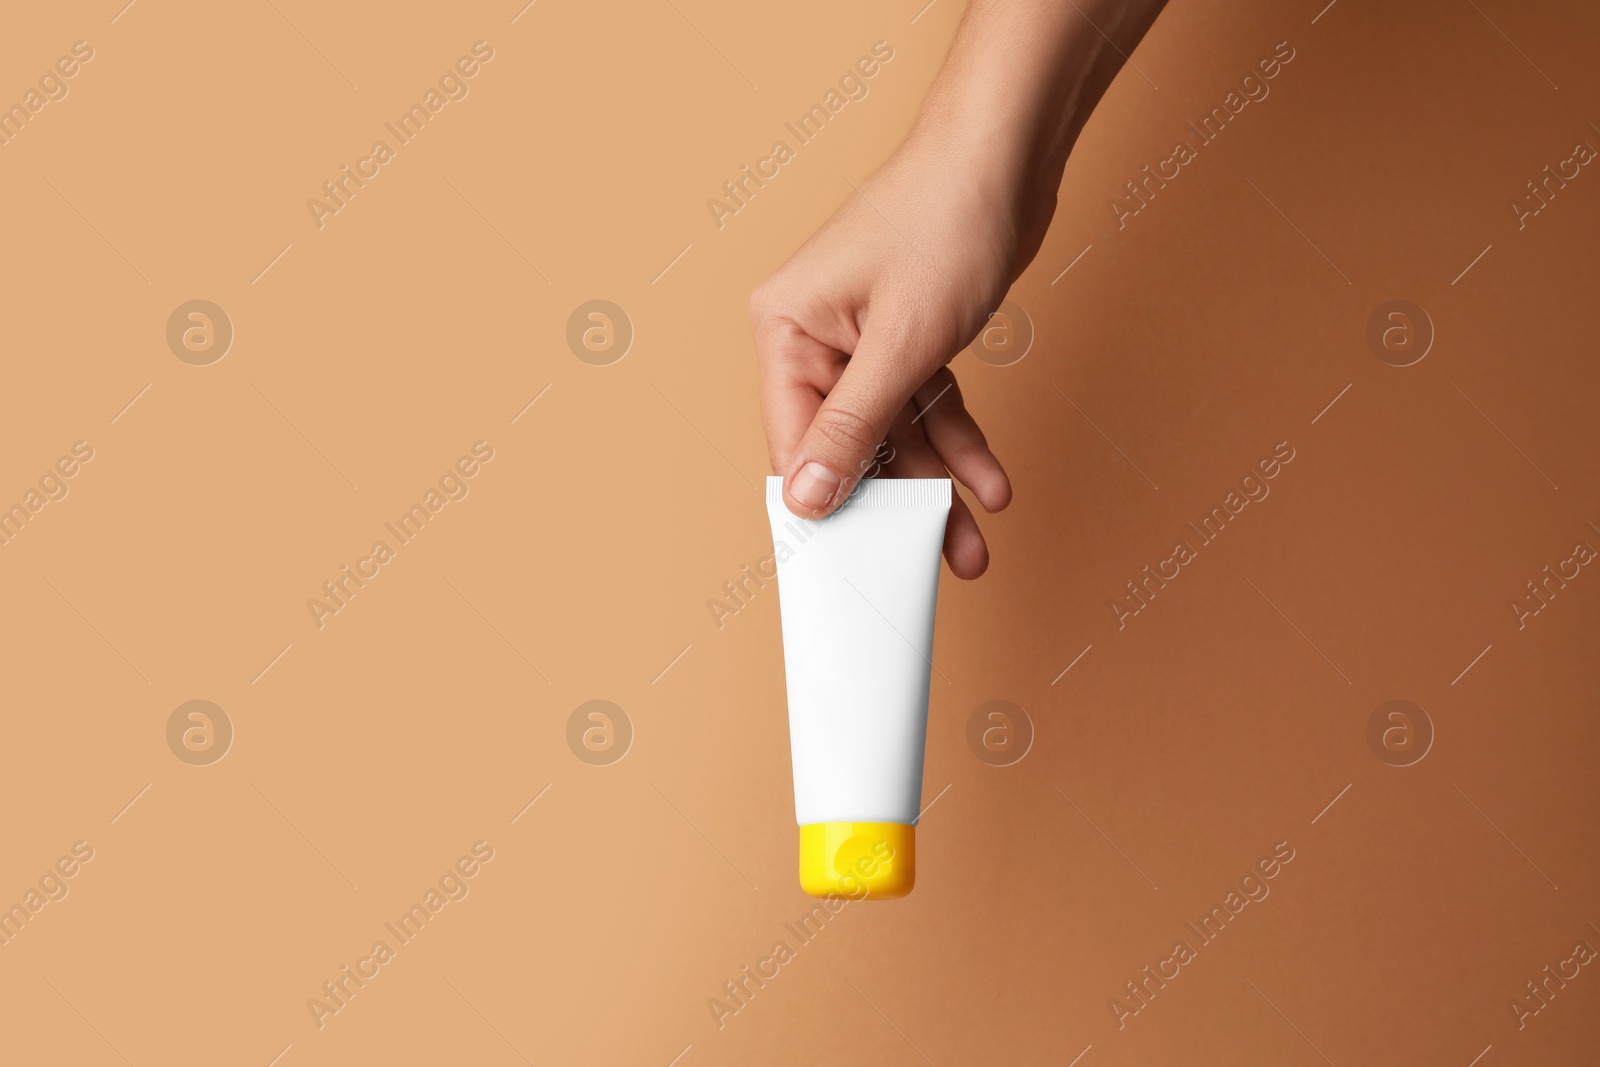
[1020, 81]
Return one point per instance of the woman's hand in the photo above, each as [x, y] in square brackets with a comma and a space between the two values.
[855, 330]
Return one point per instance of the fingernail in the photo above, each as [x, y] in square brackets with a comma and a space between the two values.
[814, 486]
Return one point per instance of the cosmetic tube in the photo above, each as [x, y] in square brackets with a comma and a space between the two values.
[856, 593]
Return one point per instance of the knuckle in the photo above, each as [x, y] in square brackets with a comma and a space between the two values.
[771, 302]
[845, 430]
[758, 305]
[778, 340]
[772, 320]
[971, 454]
[940, 390]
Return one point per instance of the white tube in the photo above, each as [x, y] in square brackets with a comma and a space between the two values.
[856, 592]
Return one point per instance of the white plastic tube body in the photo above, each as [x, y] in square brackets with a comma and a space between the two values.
[856, 592]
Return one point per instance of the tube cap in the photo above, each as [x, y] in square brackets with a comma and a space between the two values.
[858, 860]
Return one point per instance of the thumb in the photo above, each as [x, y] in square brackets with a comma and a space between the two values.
[841, 444]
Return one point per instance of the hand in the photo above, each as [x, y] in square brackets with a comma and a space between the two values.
[855, 331]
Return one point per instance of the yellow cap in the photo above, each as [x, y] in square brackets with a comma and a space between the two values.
[859, 860]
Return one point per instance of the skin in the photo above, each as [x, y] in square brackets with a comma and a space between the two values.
[854, 332]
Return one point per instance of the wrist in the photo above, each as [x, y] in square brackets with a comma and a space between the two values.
[990, 165]
[1007, 138]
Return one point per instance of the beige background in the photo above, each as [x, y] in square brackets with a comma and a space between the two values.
[427, 714]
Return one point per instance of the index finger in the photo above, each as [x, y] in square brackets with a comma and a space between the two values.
[797, 373]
